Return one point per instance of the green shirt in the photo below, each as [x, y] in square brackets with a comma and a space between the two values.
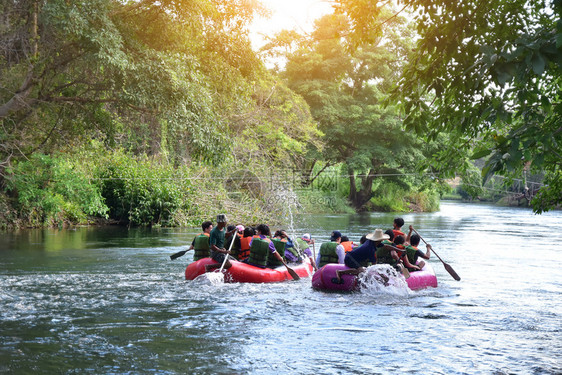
[217, 237]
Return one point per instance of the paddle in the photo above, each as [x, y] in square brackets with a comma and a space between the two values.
[447, 267]
[292, 272]
[227, 255]
[314, 251]
[178, 254]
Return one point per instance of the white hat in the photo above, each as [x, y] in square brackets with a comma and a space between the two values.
[240, 228]
[306, 237]
[378, 235]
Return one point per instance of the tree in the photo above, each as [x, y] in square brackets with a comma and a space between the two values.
[487, 71]
[346, 93]
[143, 72]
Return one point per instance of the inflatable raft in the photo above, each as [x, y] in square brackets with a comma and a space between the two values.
[245, 273]
[322, 279]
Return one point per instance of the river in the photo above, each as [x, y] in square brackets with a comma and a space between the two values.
[110, 301]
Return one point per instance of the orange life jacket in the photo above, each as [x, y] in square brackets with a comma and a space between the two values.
[403, 248]
[244, 247]
[398, 233]
[347, 245]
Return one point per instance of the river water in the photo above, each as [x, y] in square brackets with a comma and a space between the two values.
[110, 301]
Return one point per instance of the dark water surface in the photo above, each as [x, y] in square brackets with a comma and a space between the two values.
[110, 301]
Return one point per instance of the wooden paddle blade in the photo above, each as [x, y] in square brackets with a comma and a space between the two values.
[178, 254]
[293, 273]
[405, 272]
[452, 272]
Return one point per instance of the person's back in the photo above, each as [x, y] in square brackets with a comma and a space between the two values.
[347, 244]
[235, 250]
[328, 253]
[201, 246]
[245, 244]
[259, 251]
[201, 242]
[261, 247]
[294, 250]
[384, 254]
[279, 242]
[364, 254]
[398, 224]
[331, 252]
[413, 253]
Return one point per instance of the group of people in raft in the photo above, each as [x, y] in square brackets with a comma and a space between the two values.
[256, 246]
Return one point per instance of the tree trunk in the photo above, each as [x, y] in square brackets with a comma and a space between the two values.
[359, 199]
[352, 186]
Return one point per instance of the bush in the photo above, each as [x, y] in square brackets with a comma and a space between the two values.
[52, 190]
[393, 198]
[141, 192]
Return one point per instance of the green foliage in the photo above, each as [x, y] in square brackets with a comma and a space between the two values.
[54, 190]
[548, 195]
[487, 72]
[346, 93]
[153, 93]
[392, 197]
[133, 74]
[318, 201]
[277, 129]
[141, 192]
[471, 184]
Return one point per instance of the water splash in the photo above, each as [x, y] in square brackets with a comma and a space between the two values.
[289, 204]
[210, 278]
[383, 279]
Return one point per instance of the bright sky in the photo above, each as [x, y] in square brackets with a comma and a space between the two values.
[288, 14]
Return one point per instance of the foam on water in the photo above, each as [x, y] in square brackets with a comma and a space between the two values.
[383, 279]
[210, 278]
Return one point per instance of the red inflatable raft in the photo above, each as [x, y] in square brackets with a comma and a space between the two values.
[322, 279]
[245, 273]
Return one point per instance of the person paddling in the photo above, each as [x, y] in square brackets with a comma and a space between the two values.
[413, 253]
[401, 250]
[303, 244]
[361, 254]
[387, 253]
[216, 244]
[235, 248]
[200, 243]
[279, 240]
[261, 248]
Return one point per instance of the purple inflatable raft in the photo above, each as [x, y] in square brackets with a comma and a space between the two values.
[322, 279]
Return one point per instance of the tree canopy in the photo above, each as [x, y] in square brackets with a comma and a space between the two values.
[490, 73]
[346, 93]
[174, 81]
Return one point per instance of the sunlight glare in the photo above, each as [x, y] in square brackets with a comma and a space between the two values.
[296, 15]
